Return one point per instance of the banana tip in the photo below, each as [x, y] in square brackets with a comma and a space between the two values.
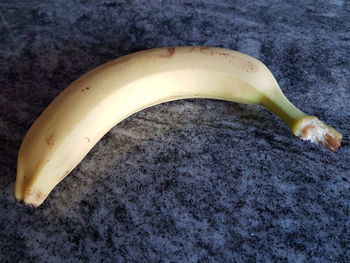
[29, 205]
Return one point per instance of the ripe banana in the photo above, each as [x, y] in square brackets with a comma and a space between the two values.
[79, 117]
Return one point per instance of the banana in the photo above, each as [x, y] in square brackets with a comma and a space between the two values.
[88, 108]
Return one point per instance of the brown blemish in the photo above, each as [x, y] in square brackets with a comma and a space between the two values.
[232, 59]
[169, 54]
[87, 138]
[171, 51]
[39, 195]
[208, 50]
[29, 177]
[225, 54]
[50, 140]
[86, 88]
[251, 67]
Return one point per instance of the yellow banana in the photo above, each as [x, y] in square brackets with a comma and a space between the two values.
[86, 110]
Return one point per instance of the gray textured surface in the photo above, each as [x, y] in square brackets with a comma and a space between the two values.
[186, 181]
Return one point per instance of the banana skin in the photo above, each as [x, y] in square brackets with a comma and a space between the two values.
[93, 104]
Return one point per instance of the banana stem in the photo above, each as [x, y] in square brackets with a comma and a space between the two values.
[283, 108]
[302, 125]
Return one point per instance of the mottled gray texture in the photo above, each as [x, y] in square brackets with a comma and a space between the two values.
[186, 181]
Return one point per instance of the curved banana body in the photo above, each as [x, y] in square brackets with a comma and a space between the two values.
[79, 117]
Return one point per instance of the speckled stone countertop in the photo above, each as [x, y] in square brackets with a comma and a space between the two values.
[191, 180]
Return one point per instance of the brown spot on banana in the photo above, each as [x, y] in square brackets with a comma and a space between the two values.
[226, 55]
[39, 195]
[28, 177]
[50, 140]
[207, 50]
[251, 67]
[86, 88]
[169, 54]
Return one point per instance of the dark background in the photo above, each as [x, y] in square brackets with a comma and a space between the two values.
[191, 180]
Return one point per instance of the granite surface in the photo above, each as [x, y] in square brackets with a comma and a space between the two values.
[191, 180]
